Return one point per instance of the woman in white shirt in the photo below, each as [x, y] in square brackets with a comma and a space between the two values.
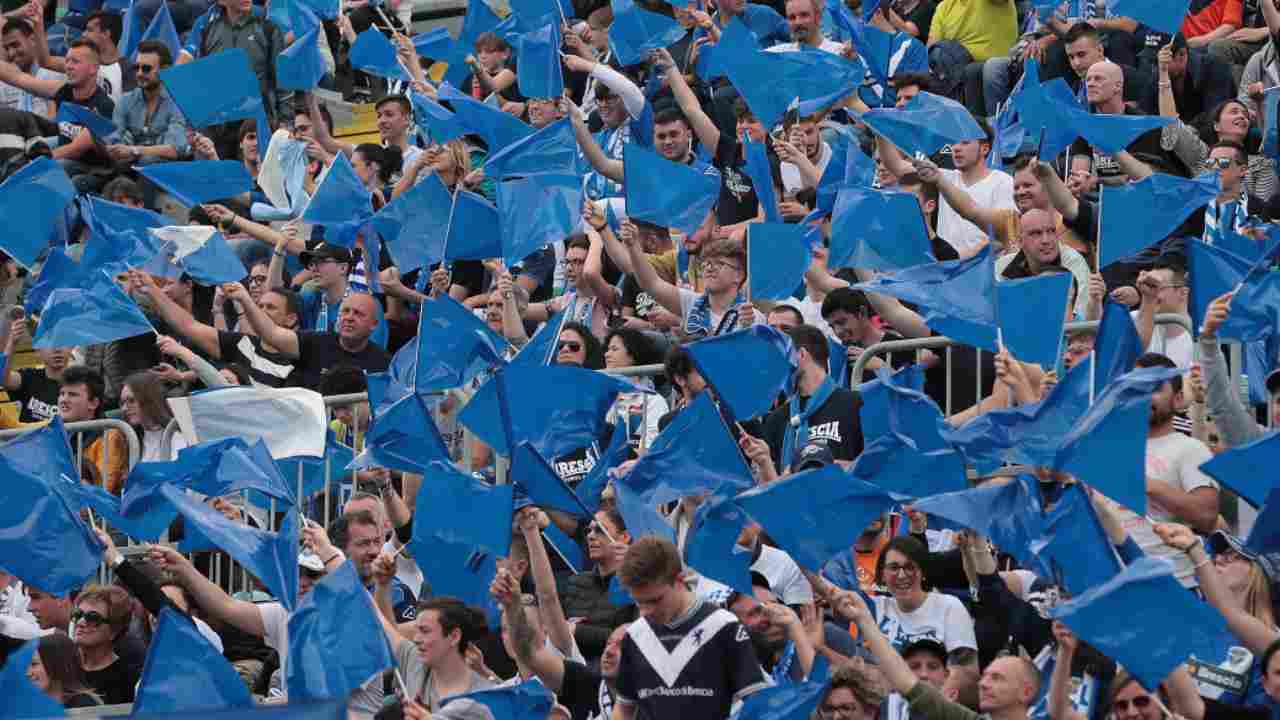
[910, 613]
[639, 411]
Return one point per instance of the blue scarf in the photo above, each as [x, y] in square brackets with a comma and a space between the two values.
[782, 671]
[698, 324]
[797, 435]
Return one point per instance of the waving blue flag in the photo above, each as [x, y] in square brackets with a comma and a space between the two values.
[403, 437]
[434, 43]
[98, 312]
[877, 229]
[107, 506]
[778, 255]
[461, 509]
[413, 225]
[199, 251]
[454, 346]
[874, 46]
[694, 453]
[42, 539]
[336, 642]
[536, 211]
[57, 270]
[184, 673]
[793, 701]
[760, 171]
[530, 700]
[373, 53]
[925, 125]
[1212, 272]
[223, 467]
[666, 193]
[1138, 215]
[1074, 543]
[635, 31]
[897, 465]
[591, 488]
[199, 181]
[162, 29]
[1008, 512]
[816, 514]
[475, 229]
[557, 409]
[1107, 446]
[747, 368]
[32, 201]
[1255, 309]
[498, 129]
[538, 62]
[1247, 469]
[713, 537]
[552, 149]
[121, 236]
[1264, 538]
[1032, 312]
[541, 348]
[217, 88]
[440, 123]
[270, 557]
[311, 471]
[1117, 346]
[333, 710]
[101, 127]
[531, 472]
[955, 297]
[895, 404]
[640, 515]
[341, 196]
[301, 65]
[21, 698]
[855, 171]
[1163, 15]
[1144, 601]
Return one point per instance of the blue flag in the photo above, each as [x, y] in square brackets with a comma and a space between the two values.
[541, 348]
[666, 193]
[162, 29]
[778, 255]
[955, 297]
[538, 62]
[21, 698]
[1075, 545]
[373, 53]
[591, 488]
[639, 515]
[498, 129]
[816, 514]
[475, 229]
[925, 125]
[438, 122]
[877, 229]
[1107, 446]
[101, 127]
[1212, 272]
[199, 181]
[635, 31]
[107, 506]
[435, 43]
[32, 201]
[711, 545]
[557, 409]
[1138, 215]
[340, 198]
[199, 251]
[457, 508]
[532, 474]
[747, 368]
[1041, 108]
[552, 149]
[301, 65]
[895, 404]
[311, 471]
[98, 312]
[1032, 312]
[695, 453]
[413, 225]
[42, 539]
[454, 346]
[1264, 538]
[1144, 601]
[536, 211]
[1117, 346]
[1163, 15]
[1008, 512]
[336, 642]
[792, 701]
[530, 700]
[184, 673]
[874, 46]
[1255, 309]
[121, 237]
[895, 464]
[270, 557]
[191, 86]
[57, 270]
[760, 172]
[1247, 469]
[230, 465]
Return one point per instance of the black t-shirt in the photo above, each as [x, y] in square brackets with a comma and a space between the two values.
[318, 352]
[922, 16]
[50, 10]
[738, 201]
[580, 691]
[964, 373]
[836, 425]
[640, 302]
[1145, 148]
[100, 102]
[266, 368]
[574, 466]
[114, 683]
[81, 700]
[38, 396]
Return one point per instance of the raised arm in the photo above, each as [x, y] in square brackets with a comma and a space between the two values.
[1059, 194]
[593, 268]
[703, 126]
[958, 199]
[321, 132]
[899, 676]
[384, 571]
[892, 157]
[544, 581]
[667, 295]
[605, 165]
[229, 221]
[540, 659]
[891, 310]
[211, 598]
[1060, 707]
[205, 336]
[42, 87]
[284, 340]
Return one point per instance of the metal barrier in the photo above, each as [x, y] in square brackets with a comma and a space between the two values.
[930, 343]
[76, 430]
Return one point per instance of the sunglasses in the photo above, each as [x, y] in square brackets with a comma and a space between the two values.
[145, 67]
[257, 280]
[90, 617]
[570, 345]
[1142, 702]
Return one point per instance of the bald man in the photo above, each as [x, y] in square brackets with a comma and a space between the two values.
[1007, 688]
[316, 352]
[1104, 88]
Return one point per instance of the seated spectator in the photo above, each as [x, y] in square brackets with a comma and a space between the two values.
[55, 669]
[101, 616]
[80, 398]
[1104, 86]
[965, 31]
[35, 389]
[1210, 21]
[1198, 82]
[910, 612]
[586, 595]
[19, 44]
[804, 21]
[152, 128]
[143, 401]
[1084, 47]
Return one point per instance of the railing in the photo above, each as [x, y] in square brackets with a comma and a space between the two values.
[76, 430]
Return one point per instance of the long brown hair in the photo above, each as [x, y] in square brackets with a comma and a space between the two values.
[148, 390]
[61, 661]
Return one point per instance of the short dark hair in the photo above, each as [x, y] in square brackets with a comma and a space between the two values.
[577, 241]
[14, 24]
[677, 364]
[457, 615]
[909, 79]
[852, 301]
[325, 115]
[157, 48]
[638, 345]
[915, 551]
[1242, 157]
[343, 380]
[741, 110]
[788, 308]
[811, 340]
[651, 559]
[87, 376]
[113, 23]
[340, 529]
[494, 42]
[670, 115]
[248, 127]
[122, 185]
[1152, 359]
[1081, 29]
[87, 44]
[292, 300]
[405, 106]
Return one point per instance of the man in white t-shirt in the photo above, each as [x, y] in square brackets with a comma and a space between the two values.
[805, 135]
[804, 19]
[19, 41]
[1164, 291]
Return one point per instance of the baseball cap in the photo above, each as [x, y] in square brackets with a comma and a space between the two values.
[325, 251]
[814, 456]
[308, 560]
[932, 647]
[1221, 541]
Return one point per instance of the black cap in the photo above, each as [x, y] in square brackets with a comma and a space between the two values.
[814, 456]
[926, 645]
[325, 251]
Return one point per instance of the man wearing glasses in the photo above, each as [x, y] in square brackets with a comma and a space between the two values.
[152, 128]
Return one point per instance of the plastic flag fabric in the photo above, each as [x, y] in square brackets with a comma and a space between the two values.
[237, 93]
[461, 509]
[413, 225]
[1117, 346]
[184, 673]
[552, 149]
[475, 229]
[1163, 15]
[1007, 511]
[1074, 543]
[1138, 215]
[201, 252]
[530, 700]
[791, 701]
[1032, 312]
[1255, 309]
[498, 129]
[666, 193]
[758, 169]
[21, 698]
[199, 181]
[101, 127]
[341, 198]
[538, 68]
[747, 368]
[230, 465]
[640, 516]
[454, 346]
[709, 548]
[32, 201]
[336, 642]
[1212, 272]
[925, 125]
[373, 53]
[878, 230]
[778, 255]
[635, 31]
[1247, 469]
[98, 312]
[532, 474]
[538, 210]
[291, 421]
[301, 65]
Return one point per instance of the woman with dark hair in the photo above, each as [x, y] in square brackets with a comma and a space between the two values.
[376, 166]
[143, 401]
[101, 617]
[55, 669]
[578, 347]
[1230, 120]
[638, 411]
[909, 612]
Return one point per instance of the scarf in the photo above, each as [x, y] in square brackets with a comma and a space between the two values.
[698, 324]
[322, 318]
[1235, 210]
[797, 435]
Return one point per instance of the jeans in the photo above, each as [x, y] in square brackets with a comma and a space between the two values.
[996, 83]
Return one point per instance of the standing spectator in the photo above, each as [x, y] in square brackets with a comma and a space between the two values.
[851, 318]
[804, 21]
[722, 308]
[1164, 291]
[1177, 489]
[434, 663]
[104, 29]
[35, 389]
[1199, 82]
[101, 616]
[909, 55]
[152, 128]
[620, 102]
[51, 612]
[144, 406]
[1237, 423]
[719, 671]
[585, 595]
[1084, 47]
[909, 613]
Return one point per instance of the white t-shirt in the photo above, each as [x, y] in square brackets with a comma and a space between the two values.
[16, 98]
[1179, 349]
[784, 576]
[1176, 459]
[641, 411]
[275, 635]
[111, 79]
[791, 182]
[992, 192]
[828, 45]
[687, 300]
[941, 617]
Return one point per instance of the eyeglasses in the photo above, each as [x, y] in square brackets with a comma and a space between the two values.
[90, 617]
[596, 528]
[570, 345]
[839, 710]
[1219, 163]
[1141, 703]
[145, 68]
[896, 569]
[715, 265]
[257, 280]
